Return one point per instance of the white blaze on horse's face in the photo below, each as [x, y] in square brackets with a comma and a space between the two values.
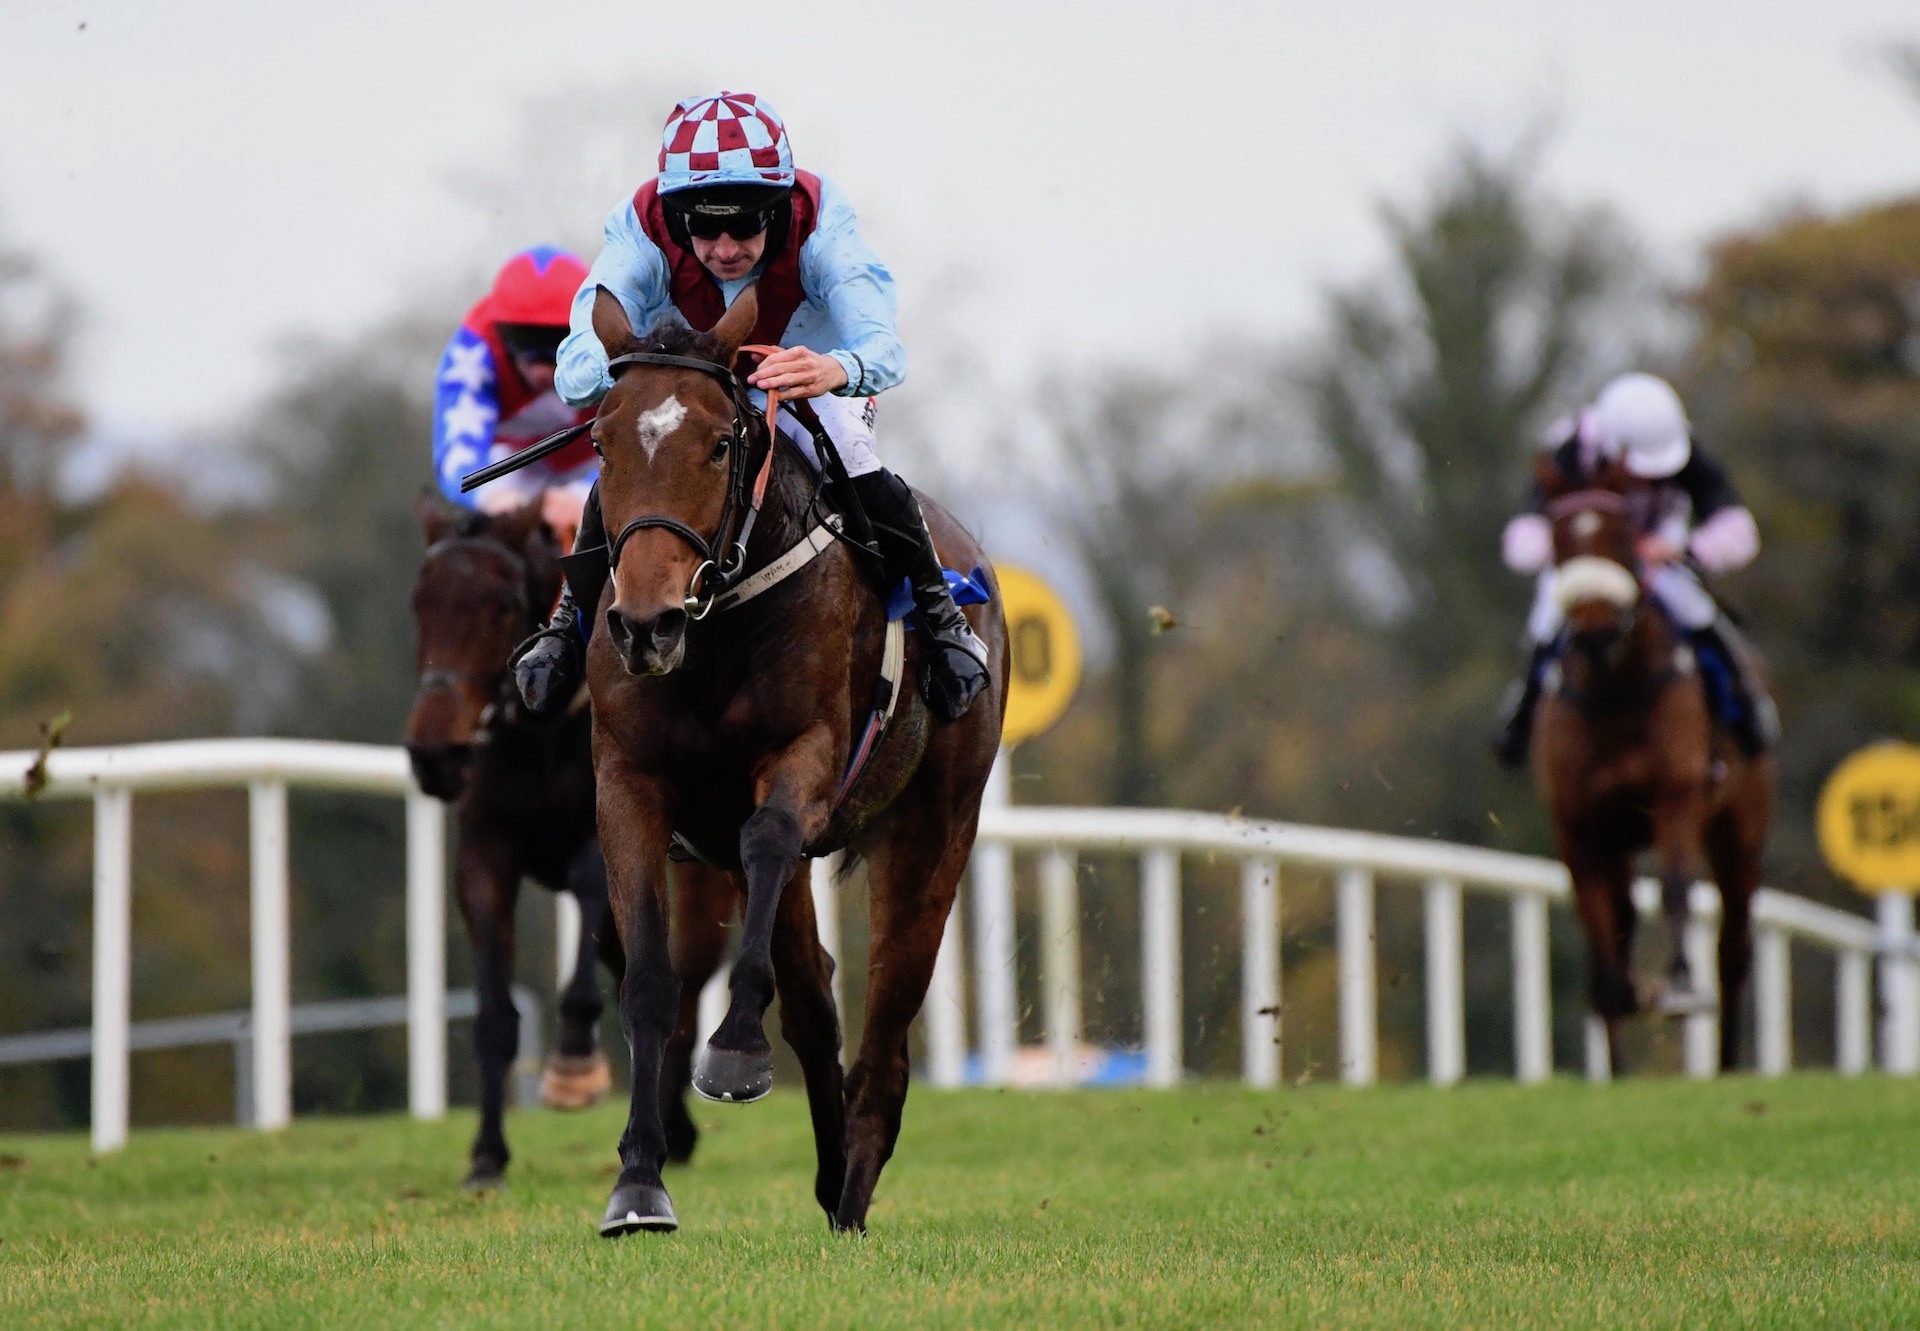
[1588, 578]
[653, 426]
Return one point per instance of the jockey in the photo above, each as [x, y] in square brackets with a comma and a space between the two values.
[495, 392]
[728, 209]
[1691, 518]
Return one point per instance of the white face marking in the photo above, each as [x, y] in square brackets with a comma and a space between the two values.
[663, 420]
[1586, 525]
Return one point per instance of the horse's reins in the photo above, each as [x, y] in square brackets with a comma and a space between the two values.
[724, 560]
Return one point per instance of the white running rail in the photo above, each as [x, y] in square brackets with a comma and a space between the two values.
[1266, 852]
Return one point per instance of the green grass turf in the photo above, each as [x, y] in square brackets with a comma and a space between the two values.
[1656, 1203]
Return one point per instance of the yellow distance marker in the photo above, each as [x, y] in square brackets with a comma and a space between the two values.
[1045, 669]
[1868, 818]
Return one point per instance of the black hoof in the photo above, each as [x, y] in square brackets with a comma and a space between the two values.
[732, 1076]
[637, 1206]
[483, 1180]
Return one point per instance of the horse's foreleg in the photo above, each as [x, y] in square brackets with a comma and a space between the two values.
[489, 881]
[703, 905]
[576, 1074]
[634, 830]
[1676, 838]
[1601, 898]
[790, 796]
[811, 1026]
[1734, 851]
[910, 886]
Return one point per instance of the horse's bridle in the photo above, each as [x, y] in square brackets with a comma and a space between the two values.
[722, 561]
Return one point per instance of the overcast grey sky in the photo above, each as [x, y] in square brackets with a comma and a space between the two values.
[210, 176]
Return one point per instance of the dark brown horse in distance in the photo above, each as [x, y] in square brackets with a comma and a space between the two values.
[524, 793]
[736, 731]
[1628, 758]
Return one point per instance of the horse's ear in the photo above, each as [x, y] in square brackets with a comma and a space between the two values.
[610, 322]
[737, 323]
[435, 518]
[1552, 482]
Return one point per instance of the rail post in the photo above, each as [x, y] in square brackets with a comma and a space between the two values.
[1359, 1024]
[1160, 963]
[566, 939]
[1446, 1001]
[1260, 1015]
[946, 1010]
[823, 876]
[1532, 994]
[272, 1038]
[112, 962]
[991, 905]
[1899, 985]
[426, 956]
[1700, 1032]
[1060, 960]
[1772, 1001]
[1599, 1057]
[1853, 1040]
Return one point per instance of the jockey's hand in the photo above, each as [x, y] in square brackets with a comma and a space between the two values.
[798, 372]
[1658, 550]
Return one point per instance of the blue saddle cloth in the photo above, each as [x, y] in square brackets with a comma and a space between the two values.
[1716, 676]
[967, 589]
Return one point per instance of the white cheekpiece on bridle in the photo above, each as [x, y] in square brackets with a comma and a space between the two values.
[1590, 578]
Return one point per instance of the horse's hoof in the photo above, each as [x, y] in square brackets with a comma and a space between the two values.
[575, 1081]
[733, 1076]
[637, 1206]
[485, 1176]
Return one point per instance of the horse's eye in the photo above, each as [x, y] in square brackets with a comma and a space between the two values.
[720, 448]
[597, 450]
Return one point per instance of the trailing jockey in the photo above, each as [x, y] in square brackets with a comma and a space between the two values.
[728, 209]
[495, 392]
[1689, 514]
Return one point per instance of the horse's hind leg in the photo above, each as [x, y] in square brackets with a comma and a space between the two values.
[489, 882]
[910, 886]
[810, 1023]
[703, 904]
[576, 1074]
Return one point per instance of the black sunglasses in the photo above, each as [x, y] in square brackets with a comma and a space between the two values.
[744, 224]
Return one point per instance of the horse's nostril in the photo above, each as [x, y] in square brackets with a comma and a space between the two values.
[668, 626]
[621, 627]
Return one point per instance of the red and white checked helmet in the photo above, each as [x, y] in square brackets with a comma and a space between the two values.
[730, 138]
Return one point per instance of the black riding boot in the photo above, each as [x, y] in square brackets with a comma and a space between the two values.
[550, 666]
[956, 658]
[1515, 735]
[1756, 727]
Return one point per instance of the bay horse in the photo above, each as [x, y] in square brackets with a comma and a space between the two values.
[732, 721]
[524, 794]
[1628, 758]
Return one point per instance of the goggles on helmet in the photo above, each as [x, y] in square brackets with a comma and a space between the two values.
[539, 343]
[740, 223]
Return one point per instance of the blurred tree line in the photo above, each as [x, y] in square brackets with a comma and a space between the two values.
[1291, 550]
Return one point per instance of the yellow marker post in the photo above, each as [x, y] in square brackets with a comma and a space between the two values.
[1045, 669]
[1868, 821]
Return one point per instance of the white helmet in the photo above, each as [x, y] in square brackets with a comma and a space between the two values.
[1639, 419]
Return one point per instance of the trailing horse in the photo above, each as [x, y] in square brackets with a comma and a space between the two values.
[737, 680]
[524, 792]
[1628, 757]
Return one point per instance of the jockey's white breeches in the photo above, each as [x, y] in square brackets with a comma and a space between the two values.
[1677, 588]
[848, 421]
